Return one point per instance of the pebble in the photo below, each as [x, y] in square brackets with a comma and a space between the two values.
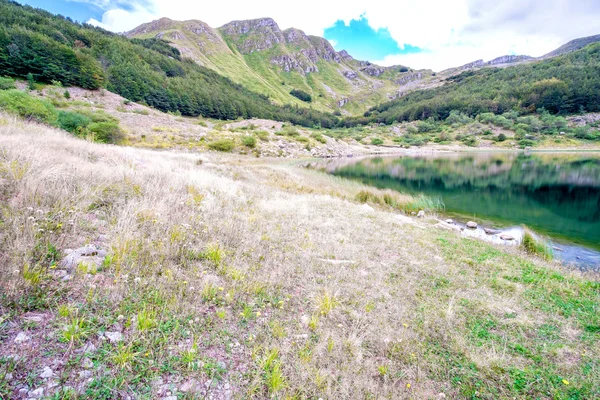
[85, 374]
[114, 337]
[22, 337]
[47, 373]
[37, 393]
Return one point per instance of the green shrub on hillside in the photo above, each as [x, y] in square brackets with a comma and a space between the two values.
[376, 142]
[225, 145]
[105, 132]
[302, 95]
[73, 122]
[249, 141]
[28, 107]
[6, 83]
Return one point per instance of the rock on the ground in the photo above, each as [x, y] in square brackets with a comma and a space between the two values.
[90, 255]
[190, 386]
[421, 214]
[490, 231]
[22, 337]
[47, 373]
[114, 337]
[471, 225]
[366, 208]
[506, 237]
[450, 221]
[36, 394]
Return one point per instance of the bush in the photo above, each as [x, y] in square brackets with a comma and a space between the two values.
[526, 143]
[302, 139]
[501, 137]
[24, 105]
[470, 141]
[302, 95]
[105, 132]
[262, 135]
[535, 246]
[365, 196]
[249, 141]
[376, 142]
[425, 126]
[225, 145]
[319, 138]
[73, 122]
[7, 83]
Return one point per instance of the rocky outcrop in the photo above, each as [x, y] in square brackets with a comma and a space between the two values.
[254, 35]
[508, 59]
[409, 78]
[373, 70]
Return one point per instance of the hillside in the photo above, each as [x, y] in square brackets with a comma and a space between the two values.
[573, 45]
[565, 84]
[262, 57]
[130, 273]
[42, 47]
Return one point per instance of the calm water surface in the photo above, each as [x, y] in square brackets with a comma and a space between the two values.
[557, 195]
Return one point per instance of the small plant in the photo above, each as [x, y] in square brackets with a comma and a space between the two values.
[376, 142]
[272, 374]
[66, 94]
[249, 141]
[319, 138]
[326, 303]
[224, 145]
[535, 246]
[146, 320]
[262, 135]
[214, 254]
[76, 330]
[365, 196]
[123, 356]
[33, 276]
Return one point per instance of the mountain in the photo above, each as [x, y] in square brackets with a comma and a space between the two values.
[261, 56]
[573, 45]
[566, 84]
[43, 47]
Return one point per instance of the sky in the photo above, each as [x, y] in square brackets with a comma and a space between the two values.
[432, 34]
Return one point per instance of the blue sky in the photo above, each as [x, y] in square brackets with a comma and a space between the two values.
[364, 42]
[79, 11]
[432, 34]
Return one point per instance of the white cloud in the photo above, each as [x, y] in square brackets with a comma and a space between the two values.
[453, 32]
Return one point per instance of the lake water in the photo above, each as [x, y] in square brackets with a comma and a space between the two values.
[556, 195]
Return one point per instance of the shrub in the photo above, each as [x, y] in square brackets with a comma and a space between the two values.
[501, 137]
[526, 143]
[28, 107]
[319, 138]
[73, 122]
[425, 126]
[66, 94]
[249, 141]
[302, 95]
[535, 246]
[262, 135]
[302, 139]
[470, 141]
[105, 132]
[7, 83]
[364, 196]
[376, 142]
[225, 145]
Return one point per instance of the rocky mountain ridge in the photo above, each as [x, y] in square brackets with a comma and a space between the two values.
[261, 55]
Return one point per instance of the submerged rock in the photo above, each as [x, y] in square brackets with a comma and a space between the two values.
[472, 225]
[490, 231]
[506, 237]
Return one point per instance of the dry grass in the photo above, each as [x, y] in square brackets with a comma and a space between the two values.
[240, 278]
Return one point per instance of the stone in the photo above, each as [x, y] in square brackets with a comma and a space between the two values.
[36, 394]
[67, 278]
[87, 363]
[85, 374]
[23, 393]
[490, 231]
[88, 348]
[22, 337]
[114, 337]
[471, 225]
[47, 373]
[421, 214]
[8, 377]
[90, 255]
[507, 237]
[450, 221]
[189, 386]
[366, 208]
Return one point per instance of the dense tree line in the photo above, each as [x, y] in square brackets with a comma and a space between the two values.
[562, 85]
[54, 48]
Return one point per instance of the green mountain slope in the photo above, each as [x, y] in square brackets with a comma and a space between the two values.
[562, 85]
[573, 45]
[262, 57]
[46, 48]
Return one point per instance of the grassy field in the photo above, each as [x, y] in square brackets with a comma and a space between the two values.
[227, 276]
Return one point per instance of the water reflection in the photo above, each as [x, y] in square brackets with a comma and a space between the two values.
[554, 194]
